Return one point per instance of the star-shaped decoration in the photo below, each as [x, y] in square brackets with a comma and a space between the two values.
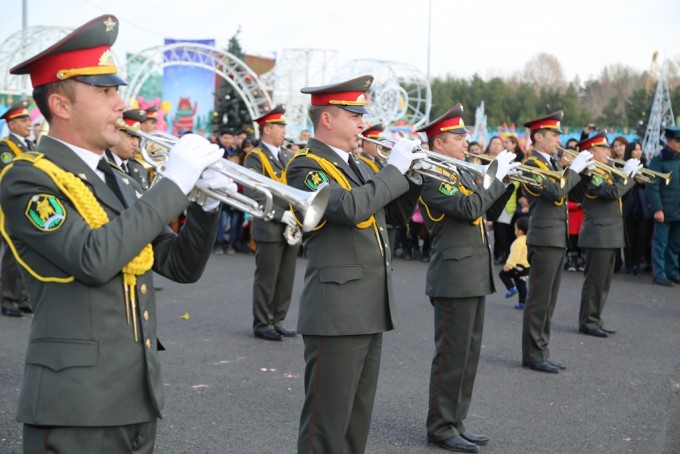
[110, 24]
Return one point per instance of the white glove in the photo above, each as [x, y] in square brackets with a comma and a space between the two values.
[506, 163]
[288, 218]
[402, 155]
[212, 179]
[632, 167]
[188, 158]
[582, 161]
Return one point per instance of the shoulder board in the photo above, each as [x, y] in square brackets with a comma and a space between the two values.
[30, 156]
[302, 152]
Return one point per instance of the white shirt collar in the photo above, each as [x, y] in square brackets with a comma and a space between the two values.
[343, 154]
[545, 155]
[275, 151]
[21, 139]
[91, 159]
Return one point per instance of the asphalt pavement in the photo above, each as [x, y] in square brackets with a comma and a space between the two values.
[227, 392]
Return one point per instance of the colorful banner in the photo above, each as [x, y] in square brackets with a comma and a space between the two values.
[189, 90]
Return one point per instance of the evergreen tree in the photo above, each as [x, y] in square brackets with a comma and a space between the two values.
[230, 110]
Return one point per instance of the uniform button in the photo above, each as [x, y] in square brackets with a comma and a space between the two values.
[381, 229]
[143, 289]
[387, 263]
[148, 343]
[146, 315]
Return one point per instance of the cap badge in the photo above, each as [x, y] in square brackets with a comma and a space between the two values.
[106, 59]
[110, 24]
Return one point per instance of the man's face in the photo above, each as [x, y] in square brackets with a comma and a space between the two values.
[674, 144]
[305, 135]
[149, 125]
[547, 141]
[369, 148]
[600, 154]
[274, 134]
[93, 116]
[227, 140]
[346, 127]
[127, 148]
[20, 126]
[451, 145]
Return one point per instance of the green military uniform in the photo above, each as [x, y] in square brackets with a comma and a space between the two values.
[88, 250]
[346, 303]
[458, 278]
[547, 240]
[274, 257]
[14, 294]
[139, 172]
[80, 343]
[601, 237]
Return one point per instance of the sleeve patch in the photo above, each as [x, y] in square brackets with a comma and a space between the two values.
[45, 212]
[314, 179]
[448, 189]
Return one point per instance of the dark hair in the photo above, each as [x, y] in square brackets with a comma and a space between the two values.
[42, 93]
[315, 114]
[630, 146]
[224, 131]
[522, 223]
[470, 144]
[571, 140]
[489, 144]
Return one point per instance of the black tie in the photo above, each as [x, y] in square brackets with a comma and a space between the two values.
[29, 145]
[553, 163]
[125, 167]
[110, 179]
[353, 165]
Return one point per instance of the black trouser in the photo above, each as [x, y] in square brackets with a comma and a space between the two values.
[637, 235]
[516, 278]
[503, 236]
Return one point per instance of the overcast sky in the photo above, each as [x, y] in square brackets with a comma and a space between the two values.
[487, 37]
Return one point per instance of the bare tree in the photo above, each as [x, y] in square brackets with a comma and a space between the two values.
[544, 71]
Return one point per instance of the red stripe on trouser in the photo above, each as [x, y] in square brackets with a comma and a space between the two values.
[47, 435]
[314, 394]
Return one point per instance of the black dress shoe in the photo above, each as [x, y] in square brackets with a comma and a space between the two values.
[557, 364]
[285, 332]
[270, 335]
[675, 279]
[597, 332]
[11, 312]
[455, 443]
[477, 439]
[26, 309]
[662, 281]
[608, 330]
[541, 366]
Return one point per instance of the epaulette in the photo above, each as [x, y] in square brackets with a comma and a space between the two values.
[30, 156]
[302, 152]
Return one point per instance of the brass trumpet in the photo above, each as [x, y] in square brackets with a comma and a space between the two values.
[604, 167]
[440, 167]
[560, 177]
[312, 205]
[645, 175]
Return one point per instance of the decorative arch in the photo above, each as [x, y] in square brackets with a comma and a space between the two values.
[224, 64]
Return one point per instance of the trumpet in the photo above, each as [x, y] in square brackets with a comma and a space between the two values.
[645, 175]
[312, 205]
[560, 177]
[604, 167]
[441, 167]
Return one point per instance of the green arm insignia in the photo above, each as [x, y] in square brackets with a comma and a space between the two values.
[45, 212]
[314, 179]
[448, 189]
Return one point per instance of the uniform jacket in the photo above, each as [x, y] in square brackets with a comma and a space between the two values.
[548, 221]
[348, 283]
[268, 231]
[83, 367]
[139, 172]
[455, 215]
[661, 196]
[7, 154]
[602, 226]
